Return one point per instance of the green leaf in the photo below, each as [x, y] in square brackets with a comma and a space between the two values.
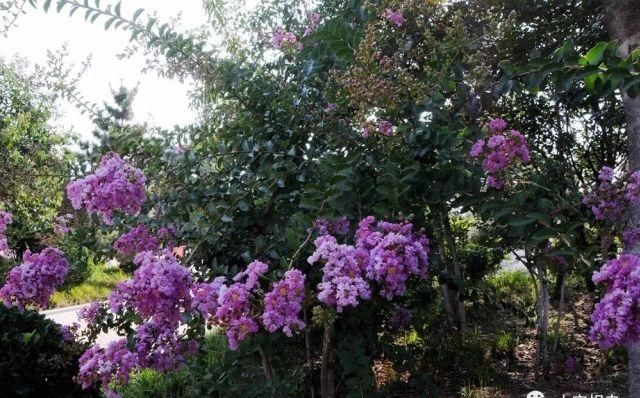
[137, 13]
[116, 9]
[226, 218]
[60, 6]
[594, 56]
[109, 22]
[46, 5]
[521, 222]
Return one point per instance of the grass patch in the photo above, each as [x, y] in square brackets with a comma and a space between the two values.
[97, 286]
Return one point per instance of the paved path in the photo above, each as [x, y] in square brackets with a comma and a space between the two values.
[69, 315]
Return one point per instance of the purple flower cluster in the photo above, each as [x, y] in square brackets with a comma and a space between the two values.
[499, 151]
[137, 240]
[252, 274]
[91, 313]
[285, 40]
[616, 317]
[61, 224]
[283, 304]
[322, 226]
[36, 279]
[395, 253]
[385, 253]
[609, 199]
[313, 21]
[234, 313]
[160, 287]
[343, 283]
[115, 186]
[205, 296]
[6, 218]
[384, 127]
[102, 365]
[395, 17]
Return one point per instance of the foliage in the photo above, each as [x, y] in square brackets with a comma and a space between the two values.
[36, 359]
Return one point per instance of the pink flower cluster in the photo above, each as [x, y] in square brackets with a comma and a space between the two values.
[205, 296]
[36, 279]
[395, 253]
[343, 283]
[395, 17]
[287, 40]
[115, 186]
[137, 240]
[322, 226]
[313, 21]
[61, 224]
[609, 199]
[384, 127]
[616, 318]
[384, 253]
[499, 151]
[102, 365]
[6, 218]
[283, 304]
[160, 287]
[235, 313]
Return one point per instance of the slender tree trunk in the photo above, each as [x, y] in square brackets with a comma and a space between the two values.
[452, 303]
[307, 342]
[327, 381]
[542, 348]
[269, 373]
[623, 20]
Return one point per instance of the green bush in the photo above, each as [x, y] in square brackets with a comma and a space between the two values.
[36, 361]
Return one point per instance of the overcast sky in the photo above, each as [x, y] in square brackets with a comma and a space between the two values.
[160, 102]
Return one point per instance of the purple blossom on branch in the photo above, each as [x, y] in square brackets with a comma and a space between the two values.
[36, 279]
[115, 186]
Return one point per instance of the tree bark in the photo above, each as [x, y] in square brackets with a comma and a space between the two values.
[327, 381]
[623, 21]
[542, 348]
[269, 373]
[454, 306]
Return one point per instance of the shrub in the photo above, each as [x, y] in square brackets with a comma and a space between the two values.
[36, 360]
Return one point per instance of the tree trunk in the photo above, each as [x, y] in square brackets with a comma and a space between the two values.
[327, 381]
[623, 20]
[453, 305]
[269, 373]
[542, 348]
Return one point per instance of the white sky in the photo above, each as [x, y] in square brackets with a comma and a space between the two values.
[160, 102]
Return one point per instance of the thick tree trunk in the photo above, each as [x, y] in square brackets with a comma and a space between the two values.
[623, 20]
[327, 377]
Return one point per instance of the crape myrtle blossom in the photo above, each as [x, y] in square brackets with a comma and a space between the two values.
[500, 151]
[395, 17]
[323, 226]
[115, 186]
[343, 283]
[313, 21]
[36, 279]
[6, 218]
[253, 272]
[395, 253]
[235, 314]
[61, 224]
[160, 286]
[610, 198]
[136, 240]
[283, 304]
[284, 40]
[205, 296]
[384, 127]
[616, 317]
